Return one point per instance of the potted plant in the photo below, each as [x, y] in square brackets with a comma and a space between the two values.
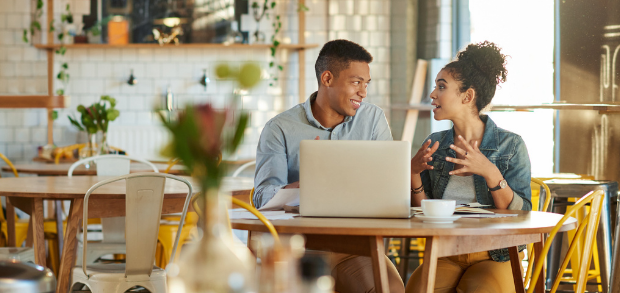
[93, 119]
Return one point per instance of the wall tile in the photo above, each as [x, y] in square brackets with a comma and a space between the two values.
[7, 134]
[22, 135]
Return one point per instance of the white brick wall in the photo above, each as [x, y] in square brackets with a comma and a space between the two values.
[96, 72]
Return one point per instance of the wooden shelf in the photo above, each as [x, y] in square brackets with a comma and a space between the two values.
[41, 101]
[171, 46]
[602, 108]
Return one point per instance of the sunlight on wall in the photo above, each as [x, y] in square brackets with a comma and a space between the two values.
[524, 31]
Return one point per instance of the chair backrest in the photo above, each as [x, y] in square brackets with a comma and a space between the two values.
[8, 162]
[143, 200]
[589, 225]
[242, 167]
[111, 165]
[547, 192]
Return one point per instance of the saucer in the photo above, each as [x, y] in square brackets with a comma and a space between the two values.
[438, 220]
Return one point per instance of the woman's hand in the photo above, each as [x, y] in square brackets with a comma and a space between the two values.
[474, 161]
[422, 157]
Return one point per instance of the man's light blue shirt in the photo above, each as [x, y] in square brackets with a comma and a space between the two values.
[277, 154]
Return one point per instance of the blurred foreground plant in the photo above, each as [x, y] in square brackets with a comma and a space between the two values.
[202, 134]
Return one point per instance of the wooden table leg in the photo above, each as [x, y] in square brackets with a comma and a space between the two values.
[67, 258]
[10, 223]
[540, 284]
[515, 263]
[58, 212]
[429, 267]
[379, 268]
[38, 238]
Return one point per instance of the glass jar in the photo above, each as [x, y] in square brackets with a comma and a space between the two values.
[90, 149]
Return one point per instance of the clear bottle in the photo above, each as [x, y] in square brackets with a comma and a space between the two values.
[315, 274]
[234, 36]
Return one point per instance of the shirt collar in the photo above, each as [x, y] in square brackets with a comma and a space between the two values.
[489, 139]
[308, 108]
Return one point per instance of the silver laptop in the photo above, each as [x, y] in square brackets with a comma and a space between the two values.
[351, 178]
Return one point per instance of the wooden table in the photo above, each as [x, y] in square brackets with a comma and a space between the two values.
[43, 169]
[28, 193]
[466, 235]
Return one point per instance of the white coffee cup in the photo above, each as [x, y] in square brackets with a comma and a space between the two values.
[438, 207]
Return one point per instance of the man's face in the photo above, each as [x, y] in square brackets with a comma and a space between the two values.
[346, 92]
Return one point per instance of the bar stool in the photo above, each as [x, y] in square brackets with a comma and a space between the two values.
[562, 191]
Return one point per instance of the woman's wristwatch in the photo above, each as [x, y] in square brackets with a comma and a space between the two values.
[502, 184]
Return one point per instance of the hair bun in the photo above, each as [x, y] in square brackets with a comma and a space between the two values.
[487, 58]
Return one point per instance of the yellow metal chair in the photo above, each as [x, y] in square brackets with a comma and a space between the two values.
[595, 272]
[21, 226]
[581, 263]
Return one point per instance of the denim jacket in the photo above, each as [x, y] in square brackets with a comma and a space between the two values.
[504, 149]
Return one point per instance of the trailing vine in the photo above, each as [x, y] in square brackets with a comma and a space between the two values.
[275, 43]
[35, 25]
[63, 74]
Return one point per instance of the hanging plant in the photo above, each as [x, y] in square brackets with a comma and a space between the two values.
[35, 25]
[275, 43]
[63, 74]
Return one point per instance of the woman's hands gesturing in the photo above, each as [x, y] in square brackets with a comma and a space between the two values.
[422, 157]
[473, 160]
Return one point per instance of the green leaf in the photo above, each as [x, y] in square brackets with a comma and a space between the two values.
[241, 125]
[54, 115]
[271, 64]
[25, 36]
[60, 36]
[36, 25]
[277, 17]
[68, 7]
[302, 8]
[280, 67]
[273, 51]
[60, 92]
[74, 122]
[39, 4]
[52, 28]
[276, 43]
[273, 4]
[65, 66]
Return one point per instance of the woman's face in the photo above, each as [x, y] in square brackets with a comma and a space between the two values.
[449, 102]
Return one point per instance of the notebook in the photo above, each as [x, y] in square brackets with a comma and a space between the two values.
[349, 178]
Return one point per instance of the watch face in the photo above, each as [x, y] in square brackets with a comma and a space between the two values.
[503, 183]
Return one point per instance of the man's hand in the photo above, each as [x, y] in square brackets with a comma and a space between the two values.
[292, 185]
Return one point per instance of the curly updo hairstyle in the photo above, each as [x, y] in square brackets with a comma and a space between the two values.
[481, 67]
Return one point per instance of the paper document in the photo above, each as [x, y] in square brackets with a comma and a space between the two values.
[487, 215]
[270, 215]
[289, 197]
[459, 210]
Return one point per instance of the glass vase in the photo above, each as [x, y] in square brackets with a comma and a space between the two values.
[104, 148]
[212, 265]
[90, 149]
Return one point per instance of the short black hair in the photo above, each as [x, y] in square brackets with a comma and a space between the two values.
[482, 67]
[337, 55]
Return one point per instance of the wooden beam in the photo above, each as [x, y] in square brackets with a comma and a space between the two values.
[417, 90]
[41, 101]
[50, 74]
[301, 25]
[301, 46]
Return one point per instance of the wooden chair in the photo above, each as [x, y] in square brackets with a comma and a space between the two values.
[143, 201]
[21, 231]
[589, 226]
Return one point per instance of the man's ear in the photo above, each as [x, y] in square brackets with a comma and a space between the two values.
[327, 78]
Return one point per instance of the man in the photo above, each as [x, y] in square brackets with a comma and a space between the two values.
[334, 112]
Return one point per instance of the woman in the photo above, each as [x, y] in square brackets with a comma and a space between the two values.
[475, 161]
